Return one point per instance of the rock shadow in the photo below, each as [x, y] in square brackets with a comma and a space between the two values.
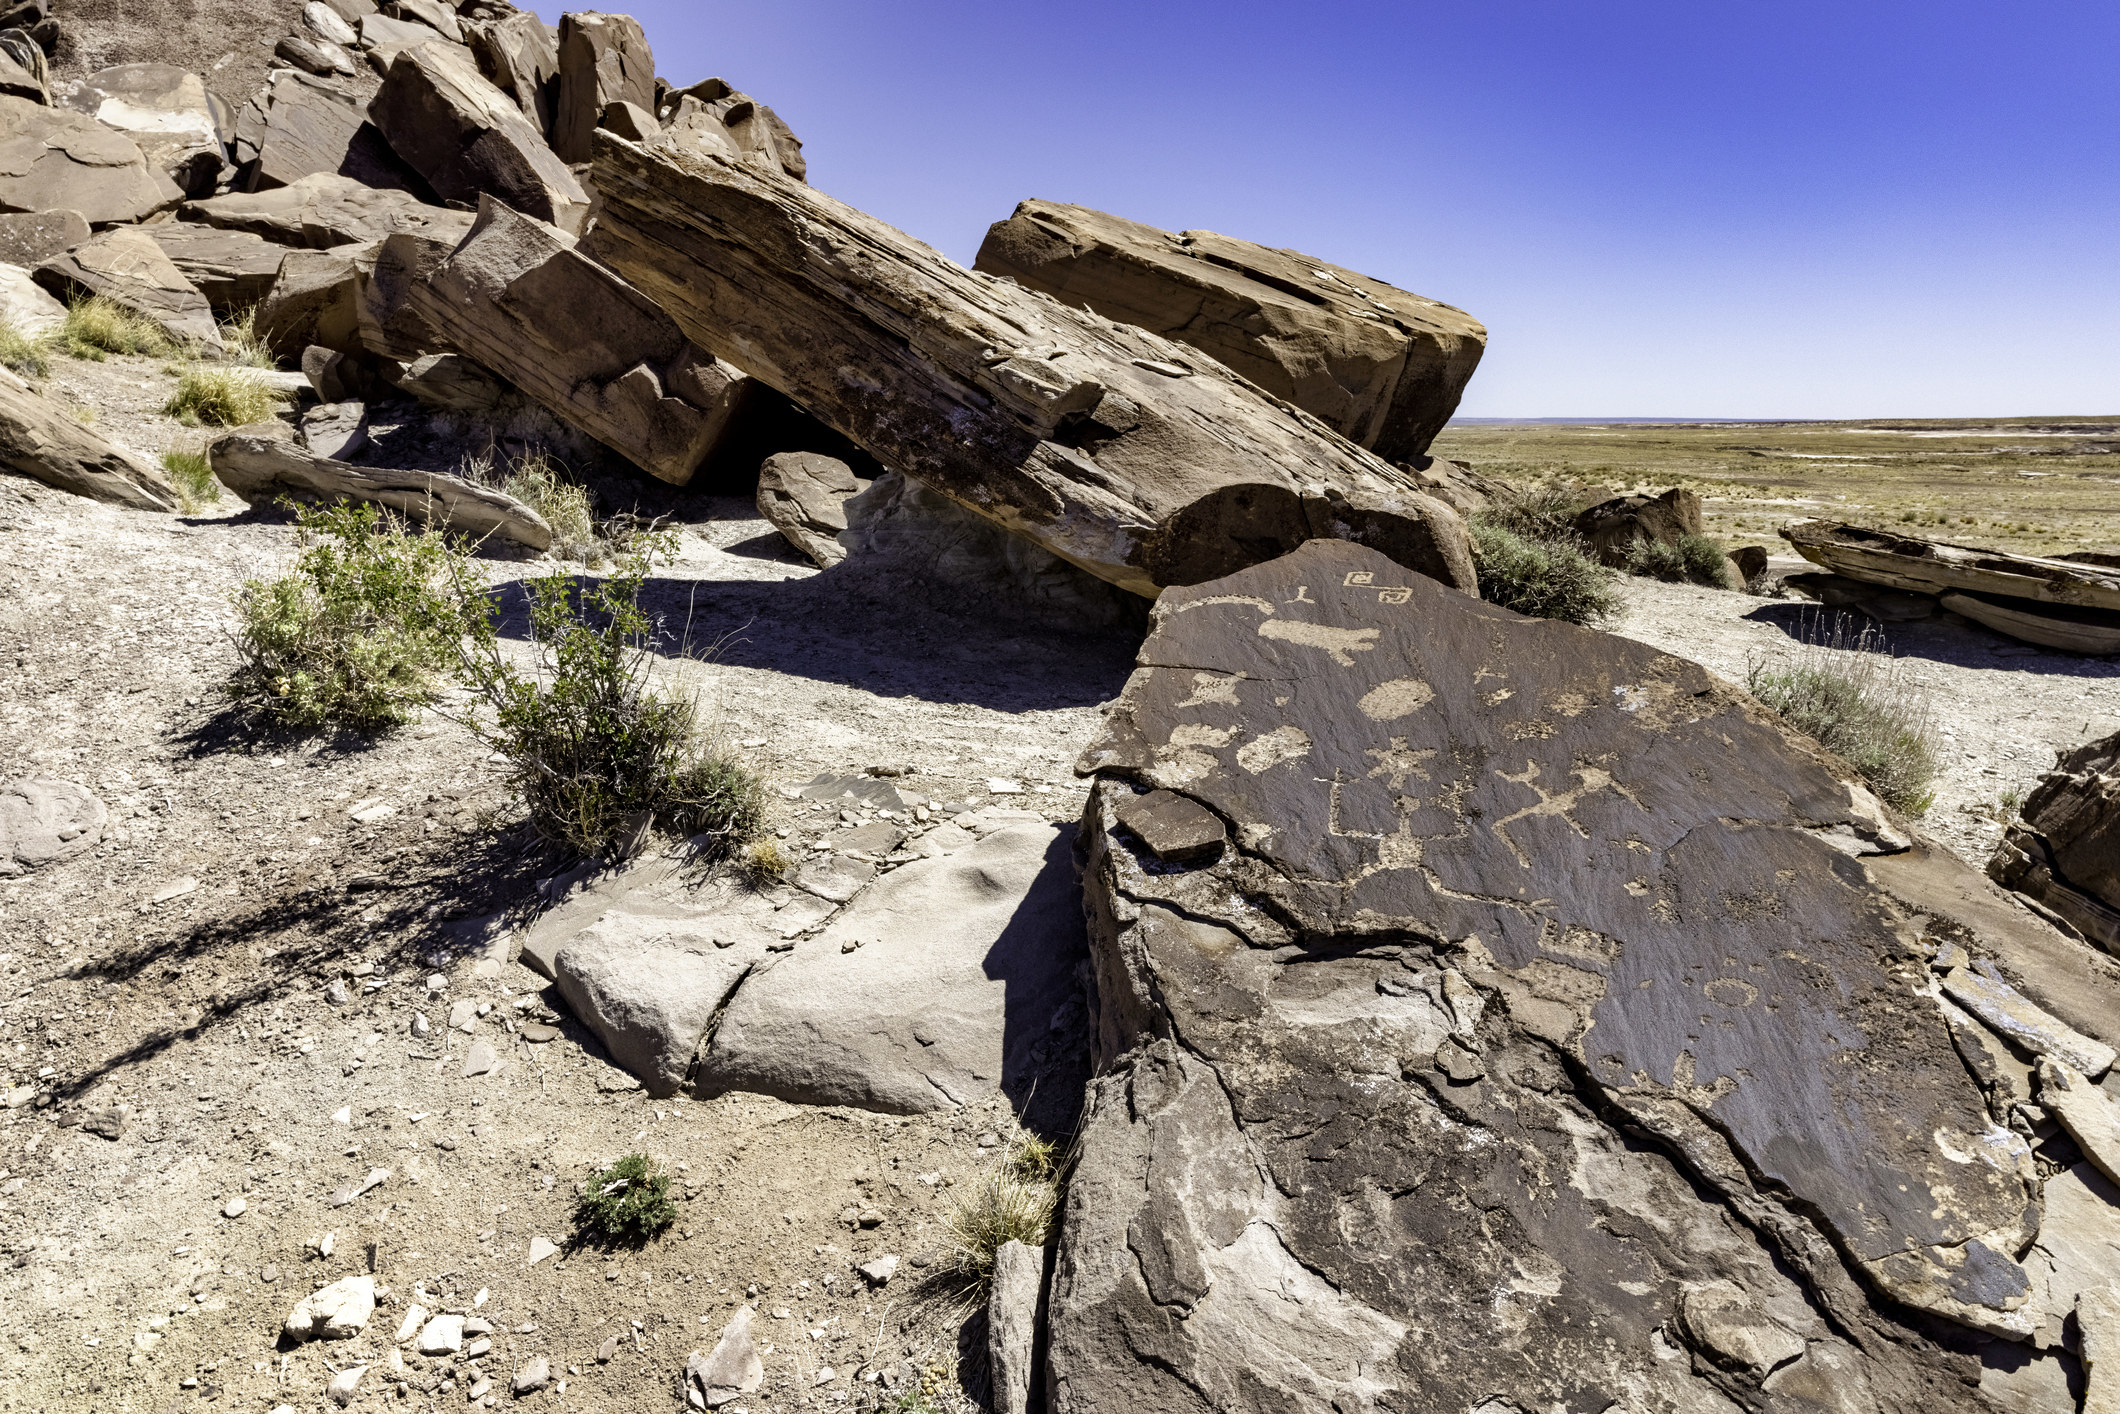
[1048, 1027]
[1963, 646]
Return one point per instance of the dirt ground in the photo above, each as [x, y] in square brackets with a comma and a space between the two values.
[174, 988]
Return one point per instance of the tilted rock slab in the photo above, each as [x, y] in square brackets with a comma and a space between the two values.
[2063, 849]
[519, 299]
[297, 126]
[315, 299]
[232, 269]
[46, 443]
[603, 59]
[520, 53]
[1132, 456]
[468, 139]
[263, 464]
[1382, 367]
[52, 158]
[125, 265]
[324, 210]
[1489, 887]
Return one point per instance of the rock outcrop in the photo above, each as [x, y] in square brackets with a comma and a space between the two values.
[603, 59]
[1111, 447]
[518, 298]
[324, 209]
[298, 126]
[468, 139]
[54, 158]
[1487, 888]
[520, 53]
[315, 300]
[44, 442]
[169, 112]
[714, 117]
[1610, 528]
[29, 238]
[2063, 849]
[232, 269]
[1382, 367]
[127, 267]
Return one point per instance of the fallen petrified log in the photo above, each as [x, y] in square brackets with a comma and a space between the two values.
[1937, 567]
[2065, 626]
[44, 442]
[1496, 1014]
[265, 464]
[1136, 458]
[2064, 848]
[1382, 367]
[519, 299]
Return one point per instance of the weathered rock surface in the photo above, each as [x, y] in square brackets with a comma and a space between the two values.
[2063, 849]
[1938, 567]
[453, 382]
[1012, 1321]
[1382, 367]
[24, 304]
[166, 110]
[313, 55]
[1496, 884]
[315, 299]
[29, 238]
[298, 126]
[650, 985]
[325, 209]
[336, 1312]
[803, 495]
[714, 117]
[41, 440]
[603, 59]
[24, 71]
[390, 325]
[261, 465]
[520, 54]
[519, 299]
[468, 139]
[46, 822]
[232, 269]
[125, 265]
[1611, 527]
[964, 981]
[1121, 451]
[52, 158]
[733, 1369]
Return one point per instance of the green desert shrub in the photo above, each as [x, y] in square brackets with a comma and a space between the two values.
[222, 396]
[25, 352]
[96, 327]
[1691, 559]
[357, 633]
[1544, 578]
[598, 752]
[1855, 698]
[192, 474]
[628, 1202]
[1543, 510]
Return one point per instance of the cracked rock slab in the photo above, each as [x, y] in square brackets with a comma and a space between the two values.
[51, 158]
[127, 267]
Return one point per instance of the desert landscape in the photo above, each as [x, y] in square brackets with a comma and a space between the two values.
[622, 788]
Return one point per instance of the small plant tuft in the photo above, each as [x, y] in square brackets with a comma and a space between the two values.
[764, 863]
[596, 750]
[356, 633]
[543, 484]
[1015, 1200]
[1544, 578]
[192, 474]
[1850, 694]
[97, 327]
[628, 1202]
[222, 397]
[24, 352]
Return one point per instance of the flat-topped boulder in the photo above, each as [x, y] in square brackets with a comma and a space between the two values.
[232, 269]
[1126, 453]
[1379, 365]
[29, 238]
[325, 209]
[1489, 888]
[53, 157]
[176, 120]
[126, 266]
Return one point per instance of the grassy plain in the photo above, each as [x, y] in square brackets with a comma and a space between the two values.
[2040, 486]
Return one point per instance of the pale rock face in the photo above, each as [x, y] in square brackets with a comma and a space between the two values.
[339, 1311]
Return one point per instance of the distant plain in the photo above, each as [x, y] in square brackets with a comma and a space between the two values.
[2034, 485]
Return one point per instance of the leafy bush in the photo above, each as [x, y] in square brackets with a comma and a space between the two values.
[1856, 700]
[25, 352]
[96, 326]
[192, 474]
[356, 632]
[1690, 558]
[222, 397]
[1544, 578]
[598, 752]
[243, 344]
[627, 1202]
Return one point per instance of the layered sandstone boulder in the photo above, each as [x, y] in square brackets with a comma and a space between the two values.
[54, 158]
[2064, 847]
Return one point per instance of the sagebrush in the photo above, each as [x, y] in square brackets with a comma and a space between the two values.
[598, 752]
[358, 633]
[1691, 559]
[1545, 578]
[628, 1202]
[1850, 694]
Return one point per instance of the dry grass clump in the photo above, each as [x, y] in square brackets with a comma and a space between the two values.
[242, 344]
[764, 863]
[1015, 1200]
[25, 352]
[1689, 559]
[192, 474]
[97, 327]
[1851, 695]
[544, 485]
[221, 396]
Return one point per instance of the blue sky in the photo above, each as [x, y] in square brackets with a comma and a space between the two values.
[1659, 209]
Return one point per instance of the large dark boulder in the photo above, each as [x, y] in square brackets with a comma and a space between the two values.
[2064, 848]
[1612, 527]
[1539, 1035]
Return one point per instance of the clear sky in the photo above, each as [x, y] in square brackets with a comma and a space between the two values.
[1721, 209]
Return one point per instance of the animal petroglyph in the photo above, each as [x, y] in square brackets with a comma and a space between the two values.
[1591, 779]
[1339, 642]
[1280, 744]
